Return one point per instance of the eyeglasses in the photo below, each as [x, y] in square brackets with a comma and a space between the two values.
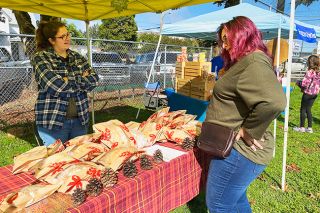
[64, 36]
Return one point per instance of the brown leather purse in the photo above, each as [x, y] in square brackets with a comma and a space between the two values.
[216, 140]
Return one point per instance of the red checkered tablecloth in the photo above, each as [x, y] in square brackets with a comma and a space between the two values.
[165, 187]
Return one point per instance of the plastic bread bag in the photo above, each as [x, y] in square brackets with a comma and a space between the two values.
[166, 119]
[158, 114]
[176, 135]
[56, 147]
[87, 151]
[48, 165]
[181, 120]
[151, 131]
[192, 127]
[94, 137]
[116, 157]
[174, 114]
[75, 176]
[154, 118]
[142, 140]
[114, 134]
[27, 196]
[132, 126]
[23, 161]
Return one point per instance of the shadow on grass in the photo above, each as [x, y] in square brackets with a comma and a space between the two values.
[198, 204]
[272, 179]
[122, 113]
[290, 124]
[26, 131]
[316, 120]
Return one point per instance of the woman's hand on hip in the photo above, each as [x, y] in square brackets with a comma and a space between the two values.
[249, 141]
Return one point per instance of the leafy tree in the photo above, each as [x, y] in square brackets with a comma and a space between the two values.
[94, 31]
[26, 27]
[121, 28]
[74, 31]
[154, 37]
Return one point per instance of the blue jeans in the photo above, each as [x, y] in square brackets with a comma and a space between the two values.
[71, 128]
[227, 183]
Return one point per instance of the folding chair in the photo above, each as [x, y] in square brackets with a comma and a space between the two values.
[152, 98]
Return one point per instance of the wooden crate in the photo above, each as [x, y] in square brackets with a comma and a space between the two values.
[196, 69]
[202, 88]
[183, 86]
[180, 69]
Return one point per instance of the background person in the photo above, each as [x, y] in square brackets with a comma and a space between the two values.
[310, 86]
[246, 98]
[64, 77]
[216, 65]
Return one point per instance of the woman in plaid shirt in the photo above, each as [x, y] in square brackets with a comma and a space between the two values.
[310, 87]
[64, 78]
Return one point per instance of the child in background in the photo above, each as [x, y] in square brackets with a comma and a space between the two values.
[310, 87]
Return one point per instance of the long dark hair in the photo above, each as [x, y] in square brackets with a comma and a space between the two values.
[244, 38]
[45, 31]
[313, 63]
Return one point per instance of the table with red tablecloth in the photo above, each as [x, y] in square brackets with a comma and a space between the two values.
[166, 186]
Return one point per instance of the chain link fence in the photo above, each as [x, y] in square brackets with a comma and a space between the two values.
[123, 68]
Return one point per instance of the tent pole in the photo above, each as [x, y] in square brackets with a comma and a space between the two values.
[286, 119]
[277, 71]
[157, 49]
[89, 54]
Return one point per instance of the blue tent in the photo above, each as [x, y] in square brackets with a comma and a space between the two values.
[205, 26]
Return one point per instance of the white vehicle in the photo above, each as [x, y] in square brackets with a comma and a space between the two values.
[164, 68]
[299, 64]
[110, 68]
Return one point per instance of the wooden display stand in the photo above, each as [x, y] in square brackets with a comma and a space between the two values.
[196, 69]
[202, 88]
[180, 69]
[194, 79]
[183, 86]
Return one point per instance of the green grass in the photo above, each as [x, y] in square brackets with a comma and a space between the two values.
[265, 195]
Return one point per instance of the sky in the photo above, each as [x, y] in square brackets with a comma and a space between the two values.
[151, 21]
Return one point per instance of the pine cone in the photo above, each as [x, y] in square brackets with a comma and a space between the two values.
[145, 162]
[94, 187]
[188, 143]
[109, 177]
[157, 156]
[78, 196]
[129, 169]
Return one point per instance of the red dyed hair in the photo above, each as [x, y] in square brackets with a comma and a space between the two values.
[243, 38]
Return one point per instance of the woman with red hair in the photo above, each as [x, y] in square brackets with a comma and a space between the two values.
[246, 99]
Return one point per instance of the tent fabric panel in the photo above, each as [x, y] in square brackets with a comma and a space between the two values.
[266, 21]
[96, 9]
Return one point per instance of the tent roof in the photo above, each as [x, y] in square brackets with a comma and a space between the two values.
[205, 26]
[88, 10]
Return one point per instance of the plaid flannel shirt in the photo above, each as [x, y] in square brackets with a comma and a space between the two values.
[54, 91]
